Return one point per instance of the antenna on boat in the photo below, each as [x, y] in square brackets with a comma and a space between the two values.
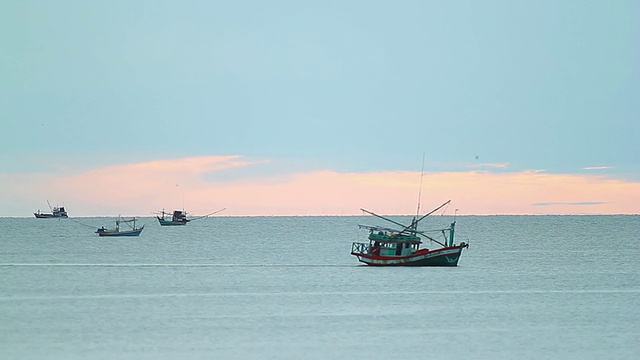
[420, 191]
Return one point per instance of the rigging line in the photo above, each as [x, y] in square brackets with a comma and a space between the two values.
[91, 226]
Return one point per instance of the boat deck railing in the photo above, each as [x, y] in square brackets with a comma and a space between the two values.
[360, 248]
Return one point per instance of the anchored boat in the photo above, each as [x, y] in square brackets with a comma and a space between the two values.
[133, 231]
[179, 217]
[56, 212]
[401, 246]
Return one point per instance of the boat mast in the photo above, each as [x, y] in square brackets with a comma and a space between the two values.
[453, 228]
[425, 215]
[451, 231]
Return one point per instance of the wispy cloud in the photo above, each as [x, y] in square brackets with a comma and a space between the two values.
[490, 165]
[579, 203]
[597, 167]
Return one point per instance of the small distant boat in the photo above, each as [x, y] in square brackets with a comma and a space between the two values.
[179, 217]
[401, 247]
[56, 212]
[133, 231]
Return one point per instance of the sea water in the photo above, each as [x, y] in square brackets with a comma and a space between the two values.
[528, 287]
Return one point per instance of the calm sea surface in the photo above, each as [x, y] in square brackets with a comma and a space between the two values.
[528, 287]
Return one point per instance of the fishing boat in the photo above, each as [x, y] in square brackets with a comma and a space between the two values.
[401, 246]
[132, 231]
[179, 217]
[57, 212]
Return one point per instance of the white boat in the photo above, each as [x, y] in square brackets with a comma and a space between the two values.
[57, 212]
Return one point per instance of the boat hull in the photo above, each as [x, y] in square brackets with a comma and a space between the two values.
[448, 256]
[171, 223]
[122, 233]
[49, 216]
[135, 232]
[164, 222]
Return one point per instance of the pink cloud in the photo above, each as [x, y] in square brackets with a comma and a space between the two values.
[138, 189]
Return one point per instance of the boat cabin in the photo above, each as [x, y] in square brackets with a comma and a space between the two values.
[179, 216]
[388, 243]
[383, 243]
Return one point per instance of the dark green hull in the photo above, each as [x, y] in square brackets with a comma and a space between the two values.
[171, 223]
[448, 256]
[449, 260]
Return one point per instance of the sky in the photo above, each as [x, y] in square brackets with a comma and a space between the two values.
[320, 107]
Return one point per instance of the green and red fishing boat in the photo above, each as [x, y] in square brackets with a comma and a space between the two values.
[401, 246]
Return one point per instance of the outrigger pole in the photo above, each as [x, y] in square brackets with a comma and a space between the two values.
[215, 212]
[414, 224]
[382, 217]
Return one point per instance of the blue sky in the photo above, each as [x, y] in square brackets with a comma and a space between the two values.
[343, 85]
